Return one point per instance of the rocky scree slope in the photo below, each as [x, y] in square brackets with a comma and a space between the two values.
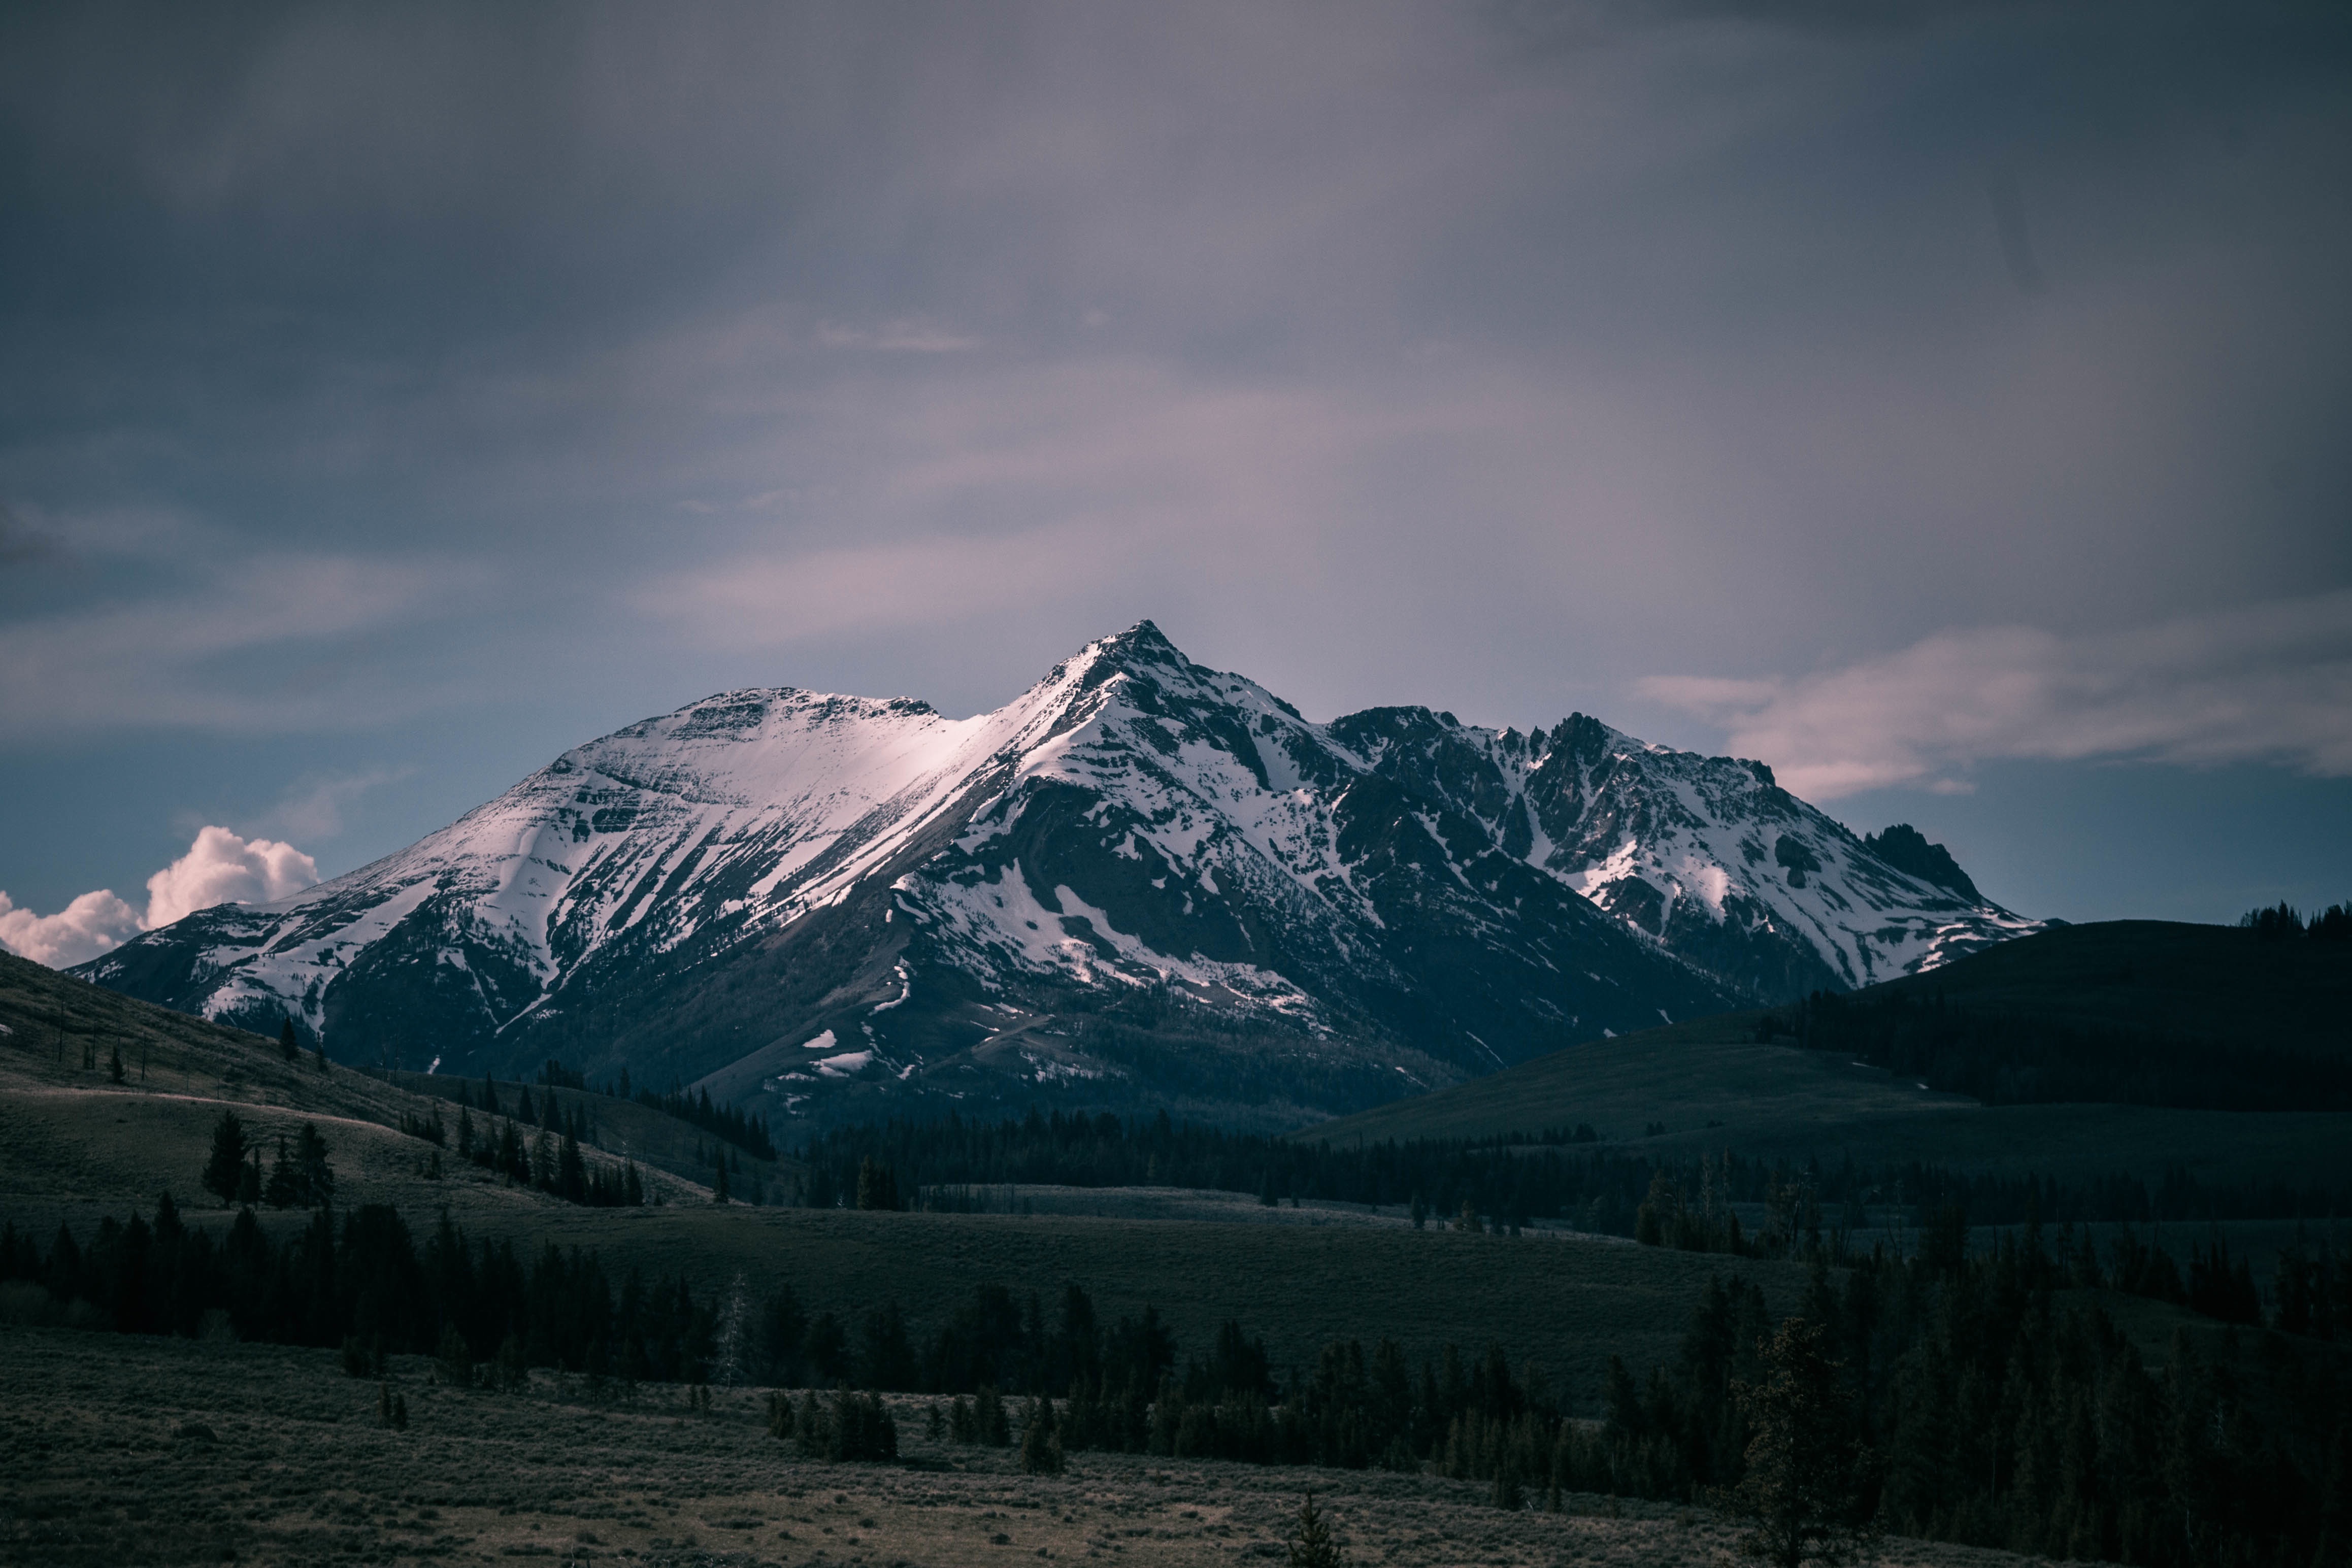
[1143, 882]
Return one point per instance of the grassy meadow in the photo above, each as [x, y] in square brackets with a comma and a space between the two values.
[122, 1449]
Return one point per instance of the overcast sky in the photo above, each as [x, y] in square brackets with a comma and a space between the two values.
[1946, 404]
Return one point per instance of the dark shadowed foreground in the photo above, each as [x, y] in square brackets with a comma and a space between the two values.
[123, 1450]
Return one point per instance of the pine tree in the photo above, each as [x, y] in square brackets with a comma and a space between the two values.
[316, 1175]
[1806, 1474]
[718, 1185]
[455, 1358]
[288, 1046]
[1041, 1440]
[225, 1171]
[318, 1054]
[810, 1431]
[1311, 1545]
[878, 1187]
[248, 1181]
[990, 1420]
[114, 1063]
[571, 1172]
[285, 1185]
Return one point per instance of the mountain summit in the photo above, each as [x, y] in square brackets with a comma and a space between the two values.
[1143, 882]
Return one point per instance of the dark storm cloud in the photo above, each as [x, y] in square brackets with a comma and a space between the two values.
[371, 362]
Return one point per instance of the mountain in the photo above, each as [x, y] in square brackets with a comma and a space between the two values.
[1143, 882]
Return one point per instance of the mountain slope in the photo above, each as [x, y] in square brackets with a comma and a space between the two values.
[1143, 880]
[1713, 1084]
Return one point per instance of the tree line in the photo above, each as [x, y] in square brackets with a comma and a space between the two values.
[1972, 1396]
[2283, 922]
[2005, 1058]
[1561, 1178]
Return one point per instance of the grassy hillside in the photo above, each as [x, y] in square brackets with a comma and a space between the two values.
[73, 1141]
[2216, 983]
[1710, 1085]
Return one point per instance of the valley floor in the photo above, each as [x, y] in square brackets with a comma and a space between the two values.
[123, 1450]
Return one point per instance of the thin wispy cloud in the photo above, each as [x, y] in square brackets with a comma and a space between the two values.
[2268, 683]
[252, 647]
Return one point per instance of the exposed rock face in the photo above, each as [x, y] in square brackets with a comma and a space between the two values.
[1141, 881]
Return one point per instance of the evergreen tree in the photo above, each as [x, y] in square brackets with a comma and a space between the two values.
[1806, 1479]
[225, 1171]
[810, 1428]
[571, 1172]
[248, 1181]
[285, 1186]
[1311, 1545]
[454, 1358]
[718, 1185]
[319, 1061]
[989, 1420]
[114, 1063]
[288, 1046]
[1041, 1440]
[878, 1187]
[315, 1176]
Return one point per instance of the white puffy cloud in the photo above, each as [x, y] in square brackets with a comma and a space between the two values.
[219, 868]
[2271, 683]
[222, 868]
[82, 930]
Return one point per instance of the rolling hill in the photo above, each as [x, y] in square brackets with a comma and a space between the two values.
[1712, 1083]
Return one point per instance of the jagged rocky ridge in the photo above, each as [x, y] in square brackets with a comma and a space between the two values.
[1143, 882]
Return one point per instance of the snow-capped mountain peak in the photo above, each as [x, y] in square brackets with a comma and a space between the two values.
[705, 891]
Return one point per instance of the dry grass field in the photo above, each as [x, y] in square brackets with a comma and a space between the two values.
[123, 1450]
